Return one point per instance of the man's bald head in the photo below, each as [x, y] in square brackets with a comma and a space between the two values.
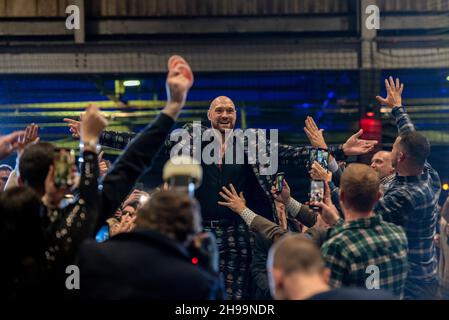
[381, 162]
[222, 114]
[221, 101]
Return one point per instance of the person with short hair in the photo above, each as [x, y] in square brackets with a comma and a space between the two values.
[297, 271]
[381, 162]
[412, 198]
[363, 239]
[152, 261]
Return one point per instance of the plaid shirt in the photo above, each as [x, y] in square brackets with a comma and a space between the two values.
[355, 245]
[411, 202]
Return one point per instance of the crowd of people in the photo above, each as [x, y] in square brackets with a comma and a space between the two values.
[240, 236]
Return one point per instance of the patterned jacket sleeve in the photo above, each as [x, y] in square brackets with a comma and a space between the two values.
[403, 121]
[116, 140]
[300, 155]
[131, 164]
[75, 223]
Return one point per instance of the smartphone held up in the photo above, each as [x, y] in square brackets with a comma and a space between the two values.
[64, 160]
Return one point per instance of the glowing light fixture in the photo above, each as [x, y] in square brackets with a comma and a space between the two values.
[131, 83]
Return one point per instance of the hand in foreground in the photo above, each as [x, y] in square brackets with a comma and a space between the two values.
[355, 146]
[284, 195]
[92, 124]
[319, 173]
[394, 93]
[179, 81]
[314, 134]
[74, 126]
[235, 202]
[30, 136]
[10, 143]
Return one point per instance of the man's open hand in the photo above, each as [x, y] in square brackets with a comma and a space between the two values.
[394, 93]
[355, 146]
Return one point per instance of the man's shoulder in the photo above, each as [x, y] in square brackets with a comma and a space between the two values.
[338, 240]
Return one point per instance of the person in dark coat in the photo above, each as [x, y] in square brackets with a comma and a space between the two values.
[153, 261]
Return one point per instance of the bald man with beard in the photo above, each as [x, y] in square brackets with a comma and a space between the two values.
[233, 237]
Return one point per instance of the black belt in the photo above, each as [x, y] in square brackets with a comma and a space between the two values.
[220, 223]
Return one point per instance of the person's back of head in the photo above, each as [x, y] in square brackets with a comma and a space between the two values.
[34, 164]
[173, 214]
[359, 188]
[296, 268]
[21, 239]
[416, 148]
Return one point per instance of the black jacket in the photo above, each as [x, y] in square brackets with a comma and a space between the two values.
[143, 264]
[286, 155]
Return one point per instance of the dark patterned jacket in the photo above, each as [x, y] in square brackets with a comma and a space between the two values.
[287, 155]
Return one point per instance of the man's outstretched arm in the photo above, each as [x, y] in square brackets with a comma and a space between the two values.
[139, 154]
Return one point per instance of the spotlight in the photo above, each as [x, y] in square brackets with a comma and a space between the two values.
[445, 186]
[131, 83]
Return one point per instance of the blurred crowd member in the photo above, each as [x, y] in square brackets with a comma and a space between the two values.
[260, 254]
[29, 136]
[443, 269]
[363, 239]
[152, 261]
[381, 162]
[64, 227]
[124, 217]
[5, 171]
[23, 268]
[412, 198]
[298, 272]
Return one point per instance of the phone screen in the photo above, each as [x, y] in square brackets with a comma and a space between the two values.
[279, 181]
[316, 192]
[63, 162]
[321, 156]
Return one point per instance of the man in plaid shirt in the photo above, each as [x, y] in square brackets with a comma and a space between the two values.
[411, 200]
[363, 244]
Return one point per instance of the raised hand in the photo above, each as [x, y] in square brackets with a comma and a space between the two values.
[314, 134]
[179, 81]
[355, 146]
[394, 93]
[74, 126]
[126, 224]
[235, 202]
[10, 143]
[284, 195]
[135, 196]
[92, 124]
[319, 173]
[102, 164]
[30, 136]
